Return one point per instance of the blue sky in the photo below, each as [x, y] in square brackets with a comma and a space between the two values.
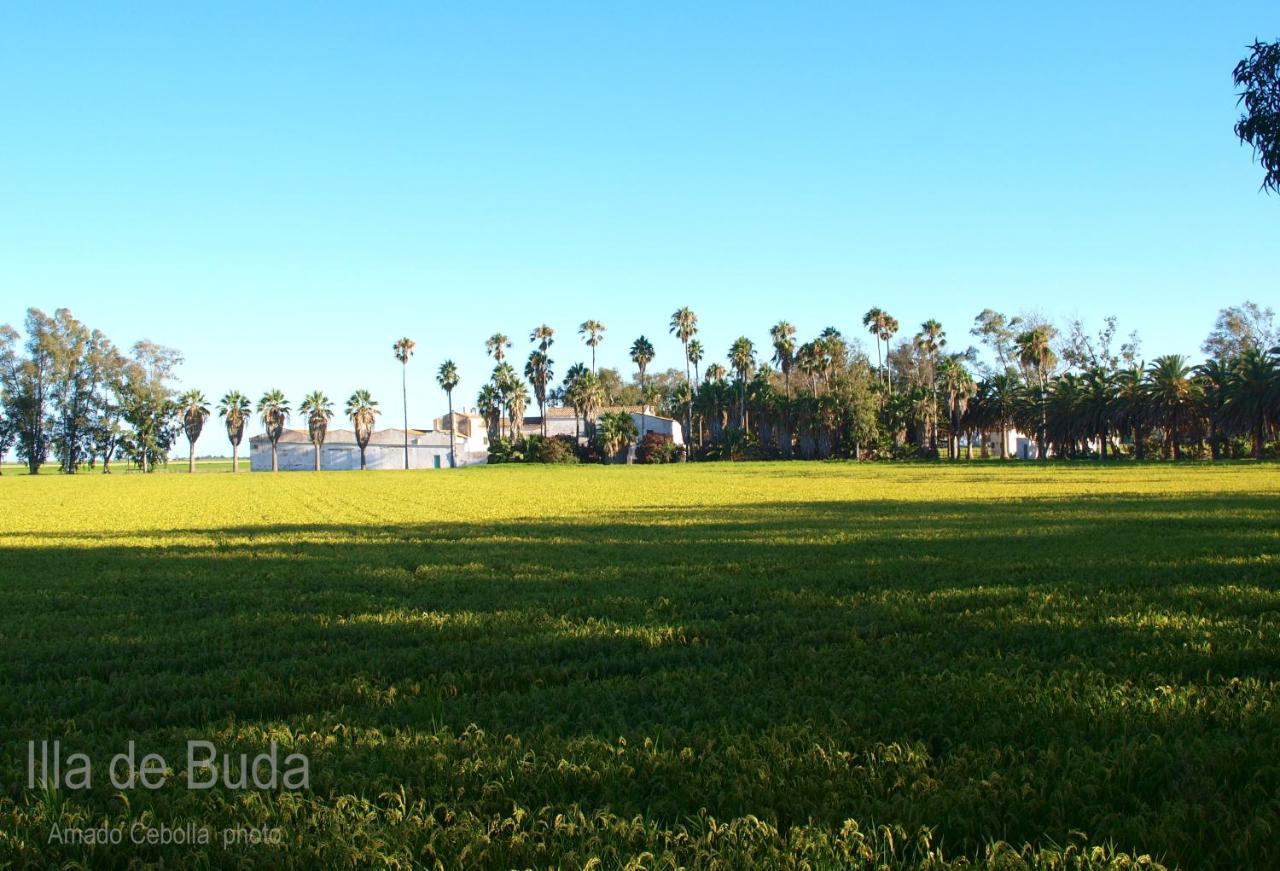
[281, 193]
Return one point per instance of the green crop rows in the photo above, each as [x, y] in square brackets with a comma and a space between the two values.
[705, 666]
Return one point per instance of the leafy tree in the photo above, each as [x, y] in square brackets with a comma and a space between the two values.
[147, 404]
[234, 409]
[26, 382]
[363, 411]
[447, 378]
[319, 411]
[195, 411]
[1259, 77]
[1239, 328]
[999, 333]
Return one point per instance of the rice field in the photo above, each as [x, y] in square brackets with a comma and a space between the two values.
[771, 665]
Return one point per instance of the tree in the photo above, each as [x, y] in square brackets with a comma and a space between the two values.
[875, 320]
[593, 334]
[742, 356]
[1035, 352]
[147, 403]
[403, 350]
[496, 347]
[489, 404]
[1259, 77]
[195, 411]
[234, 408]
[999, 333]
[1239, 328]
[319, 411]
[447, 378]
[363, 411]
[1252, 395]
[1172, 395]
[273, 409]
[696, 353]
[783, 336]
[1214, 377]
[27, 383]
[538, 371]
[684, 326]
[617, 431]
[959, 387]
[544, 336]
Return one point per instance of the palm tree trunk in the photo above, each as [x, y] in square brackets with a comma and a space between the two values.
[362, 463]
[235, 460]
[404, 404]
[317, 456]
[274, 466]
[453, 448]
[191, 458]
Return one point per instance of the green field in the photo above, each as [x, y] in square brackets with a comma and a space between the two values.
[745, 664]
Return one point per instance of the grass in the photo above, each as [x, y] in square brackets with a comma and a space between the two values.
[764, 664]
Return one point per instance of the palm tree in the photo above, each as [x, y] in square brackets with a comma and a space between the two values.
[1172, 395]
[617, 431]
[1035, 352]
[319, 411]
[888, 327]
[593, 335]
[1253, 394]
[362, 410]
[695, 354]
[959, 386]
[234, 408]
[195, 410]
[573, 381]
[447, 378]
[404, 350]
[489, 404]
[1214, 375]
[783, 336]
[517, 397]
[538, 371]
[742, 356]
[874, 321]
[274, 411]
[504, 379]
[684, 325]
[1132, 410]
[642, 354]
[544, 336]
[496, 346]
[1000, 399]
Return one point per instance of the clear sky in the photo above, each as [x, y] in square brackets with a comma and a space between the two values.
[282, 192]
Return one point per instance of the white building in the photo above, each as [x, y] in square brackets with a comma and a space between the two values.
[428, 449]
[564, 421]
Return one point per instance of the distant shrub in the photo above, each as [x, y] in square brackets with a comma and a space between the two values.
[558, 450]
[656, 448]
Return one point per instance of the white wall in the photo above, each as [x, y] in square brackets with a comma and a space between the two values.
[297, 457]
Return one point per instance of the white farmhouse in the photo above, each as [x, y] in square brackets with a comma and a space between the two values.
[428, 449]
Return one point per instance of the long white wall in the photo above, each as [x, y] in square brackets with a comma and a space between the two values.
[297, 457]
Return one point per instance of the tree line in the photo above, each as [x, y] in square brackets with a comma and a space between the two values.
[68, 392]
[1076, 394]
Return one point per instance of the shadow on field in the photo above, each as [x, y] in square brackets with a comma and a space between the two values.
[1016, 671]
